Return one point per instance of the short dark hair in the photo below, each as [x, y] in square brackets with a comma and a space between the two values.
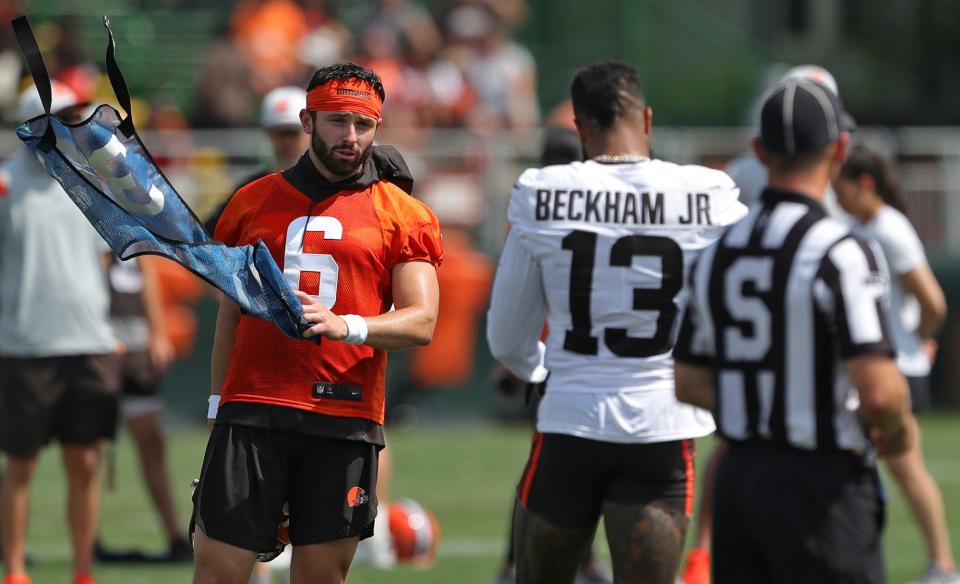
[605, 92]
[787, 163]
[347, 71]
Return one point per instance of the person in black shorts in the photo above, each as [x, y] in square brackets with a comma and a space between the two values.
[561, 144]
[138, 321]
[300, 421]
[599, 249]
[59, 374]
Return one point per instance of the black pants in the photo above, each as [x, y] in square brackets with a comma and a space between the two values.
[786, 516]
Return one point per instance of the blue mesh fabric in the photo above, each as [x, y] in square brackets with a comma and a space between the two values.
[115, 182]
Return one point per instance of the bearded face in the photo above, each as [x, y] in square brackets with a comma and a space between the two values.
[341, 141]
[343, 159]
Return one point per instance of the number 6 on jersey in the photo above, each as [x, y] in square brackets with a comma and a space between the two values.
[312, 271]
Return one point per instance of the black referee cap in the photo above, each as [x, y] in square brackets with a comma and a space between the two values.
[801, 116]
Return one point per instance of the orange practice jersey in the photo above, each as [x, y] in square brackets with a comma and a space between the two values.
[342, 250]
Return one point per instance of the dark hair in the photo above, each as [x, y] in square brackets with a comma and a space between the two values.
[780, 163]
[605, 92]
[862, 160]
[347, 71]
[560, 146]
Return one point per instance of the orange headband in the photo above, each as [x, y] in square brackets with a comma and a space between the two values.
[345, 95]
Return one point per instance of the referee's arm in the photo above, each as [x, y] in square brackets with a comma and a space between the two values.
[854, 290]
[884, 402]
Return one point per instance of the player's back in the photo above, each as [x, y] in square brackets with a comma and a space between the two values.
[614, 243]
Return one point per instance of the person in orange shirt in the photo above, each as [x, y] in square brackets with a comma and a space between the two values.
[301, 421]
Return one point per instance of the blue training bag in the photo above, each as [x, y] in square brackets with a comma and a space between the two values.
[108, 173]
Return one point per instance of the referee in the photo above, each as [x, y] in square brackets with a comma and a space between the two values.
[785, 339]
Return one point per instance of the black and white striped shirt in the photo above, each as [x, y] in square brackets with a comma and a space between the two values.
[776, 306]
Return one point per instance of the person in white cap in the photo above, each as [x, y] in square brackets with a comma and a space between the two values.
[280, 119]
[59, 374]
[749, 174]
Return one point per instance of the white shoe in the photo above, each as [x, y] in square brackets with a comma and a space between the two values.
[937, 575]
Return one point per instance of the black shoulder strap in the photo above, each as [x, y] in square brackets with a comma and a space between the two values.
[117, 81]
[392, 167]
[28, 44]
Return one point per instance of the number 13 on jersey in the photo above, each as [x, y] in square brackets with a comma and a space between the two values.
[584, 270]
[312, 271]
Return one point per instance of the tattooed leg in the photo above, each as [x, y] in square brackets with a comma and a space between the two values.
[544, 553]
[646, 542]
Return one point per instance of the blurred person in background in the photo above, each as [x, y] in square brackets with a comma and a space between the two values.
[867, 188]
[10, 59]
[71, 64]
[601, 247]
[59, 373]
[501, 71]
[327, 39]
[447, 363]
[223, 88]
[137, 316]
[269, 34]
[403, 36]
[280, 120]
[413, 25]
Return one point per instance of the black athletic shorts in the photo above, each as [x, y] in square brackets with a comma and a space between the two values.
[71, 398]
[567, 479]
[787, 516]
[249, 473]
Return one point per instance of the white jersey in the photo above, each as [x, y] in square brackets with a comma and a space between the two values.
[904, 253]
[602, 251]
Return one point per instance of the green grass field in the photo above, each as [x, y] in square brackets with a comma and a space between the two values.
[465, 475]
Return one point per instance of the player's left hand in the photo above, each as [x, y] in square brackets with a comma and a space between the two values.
[323, 321]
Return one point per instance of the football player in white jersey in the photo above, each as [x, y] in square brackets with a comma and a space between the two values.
[600, 249]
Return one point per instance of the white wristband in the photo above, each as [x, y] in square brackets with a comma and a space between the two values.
[212, 407]
[356, 329]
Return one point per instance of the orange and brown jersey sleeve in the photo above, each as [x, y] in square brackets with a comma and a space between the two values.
[411, 231]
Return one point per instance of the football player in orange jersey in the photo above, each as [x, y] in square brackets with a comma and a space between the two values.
[301, 421]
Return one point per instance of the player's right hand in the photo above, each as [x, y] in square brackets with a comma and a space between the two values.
[323, 322]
